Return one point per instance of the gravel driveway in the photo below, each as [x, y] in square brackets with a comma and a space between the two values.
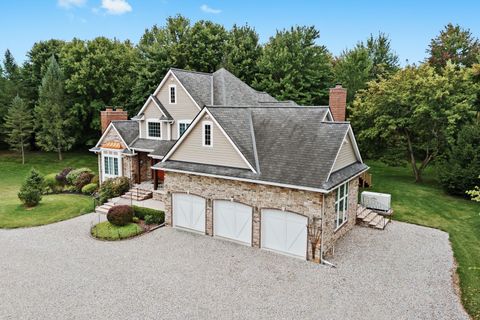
[59, 272]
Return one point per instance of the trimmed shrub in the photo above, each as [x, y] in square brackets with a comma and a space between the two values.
[135, 219]
[62, 176]
[95, 179]
[120, 215]
[31, 191]
[155, 215]
[52, 185]
[83, 179]
[112, 188]
[73, 175]
[89, 188]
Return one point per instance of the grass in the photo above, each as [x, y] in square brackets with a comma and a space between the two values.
[107, 231]
[426, 204]
[52, 208]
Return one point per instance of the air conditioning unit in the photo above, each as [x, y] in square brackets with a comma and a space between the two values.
[376, 201]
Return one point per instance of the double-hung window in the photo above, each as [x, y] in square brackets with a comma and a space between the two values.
[111, 164]
[341, 205]
[183, 126]
[154, 129]
[172, 91]
[207, 134]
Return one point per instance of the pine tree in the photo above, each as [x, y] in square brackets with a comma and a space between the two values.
[31, 191]
[10, 66]
[51, 114]
[18, 126]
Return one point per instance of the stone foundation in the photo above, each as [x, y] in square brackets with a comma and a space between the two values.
[260, 197]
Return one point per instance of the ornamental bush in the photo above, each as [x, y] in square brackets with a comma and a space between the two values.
[149, 215]
[95, 179]
[72, 176]
[120, 215]
[112, 188]
[62, 176]
[89, 189]
[52, 185]
[83, 179]
[31, 191]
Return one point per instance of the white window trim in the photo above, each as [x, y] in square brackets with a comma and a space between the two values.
[170, 94]
[205, 123]
[111, 154]
[343, 197]
[188, 122]
[161, 128]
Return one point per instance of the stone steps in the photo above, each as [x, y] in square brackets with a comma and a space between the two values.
[103, 209]
[137, 194]
[370, 218]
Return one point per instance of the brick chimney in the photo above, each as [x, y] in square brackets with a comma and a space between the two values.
[109, 115]
[338, 102]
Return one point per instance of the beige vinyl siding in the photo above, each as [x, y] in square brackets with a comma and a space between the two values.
[152, 111]
[221, 152]
[184, 109]
[346, 156]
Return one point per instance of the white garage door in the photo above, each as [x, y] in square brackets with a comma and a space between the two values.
[188, 211]
[285, 232]
[232, 220]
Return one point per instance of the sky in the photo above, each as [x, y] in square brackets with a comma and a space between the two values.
[409, 24]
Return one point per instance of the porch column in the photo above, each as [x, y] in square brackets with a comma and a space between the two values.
[139, 178]
[155, 176]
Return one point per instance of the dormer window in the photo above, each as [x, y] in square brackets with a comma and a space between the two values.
[207, 134]
[172, 89]
[154, 129]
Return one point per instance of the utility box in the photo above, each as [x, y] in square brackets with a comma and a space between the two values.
[376, 201]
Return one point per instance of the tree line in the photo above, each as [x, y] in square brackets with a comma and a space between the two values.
[416, 112]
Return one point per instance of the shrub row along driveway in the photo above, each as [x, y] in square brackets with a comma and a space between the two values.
[58, 271]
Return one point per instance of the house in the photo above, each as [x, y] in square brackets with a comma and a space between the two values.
[237, 164]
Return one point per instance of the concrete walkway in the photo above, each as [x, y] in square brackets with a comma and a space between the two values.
[59, 272]
[148, 203]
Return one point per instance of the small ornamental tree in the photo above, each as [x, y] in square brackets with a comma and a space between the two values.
[18, 126]
[120, 215]
[475, 193]
[31, 191]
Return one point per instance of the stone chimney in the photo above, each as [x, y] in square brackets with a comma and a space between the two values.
[109, 115]
[338, 102]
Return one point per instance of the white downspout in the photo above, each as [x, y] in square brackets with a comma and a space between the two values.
[323, 261]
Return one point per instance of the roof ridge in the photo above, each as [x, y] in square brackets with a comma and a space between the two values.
[191, 71]
[264, 107]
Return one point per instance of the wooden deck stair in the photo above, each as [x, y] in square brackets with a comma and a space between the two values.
[370, 218]
[137, 194]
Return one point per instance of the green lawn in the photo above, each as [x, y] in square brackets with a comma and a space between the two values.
[426, 204]
[107, 231]
[52, 208]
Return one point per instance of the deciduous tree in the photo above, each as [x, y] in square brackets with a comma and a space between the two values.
[418, 109]
[294, 67]
[456, 44]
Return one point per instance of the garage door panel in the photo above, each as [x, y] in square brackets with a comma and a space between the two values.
[189, 211]
[285, 232]
[233, 220]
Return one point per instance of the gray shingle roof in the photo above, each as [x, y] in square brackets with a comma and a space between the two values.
[167, 115]
[157, 147]
[227, 89]
[198, 85]
[293, 145]
[128, 129]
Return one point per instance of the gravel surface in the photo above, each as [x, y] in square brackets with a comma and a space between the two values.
[59, 272]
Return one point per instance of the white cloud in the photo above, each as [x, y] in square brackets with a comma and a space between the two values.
[207, 9]
[116, 7]
[71, 3]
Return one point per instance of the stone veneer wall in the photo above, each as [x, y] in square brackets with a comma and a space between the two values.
[259, 196]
